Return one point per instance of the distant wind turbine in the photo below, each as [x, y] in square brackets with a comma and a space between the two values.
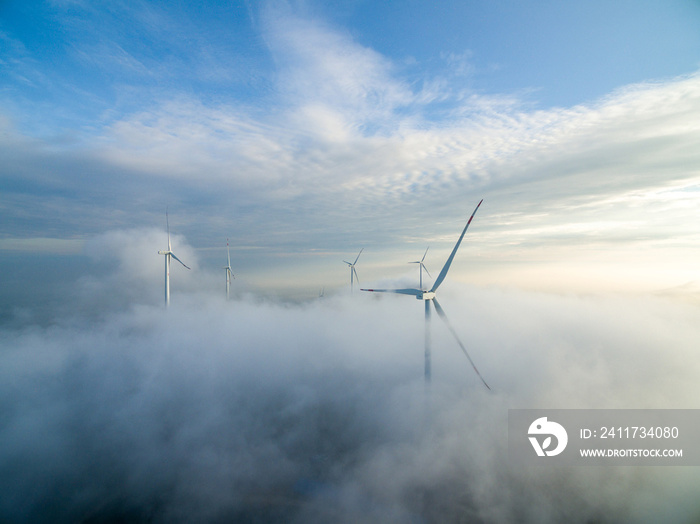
[353, 271]
[168, 254]
[428, 297]
[229, 271]
[422, 267]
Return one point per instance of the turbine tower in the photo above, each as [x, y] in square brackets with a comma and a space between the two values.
[169, 253]
[428, 297]
[229, 271]
[353, 271]
[422, 267]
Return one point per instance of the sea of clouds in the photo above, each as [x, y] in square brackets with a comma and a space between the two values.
[255, 410]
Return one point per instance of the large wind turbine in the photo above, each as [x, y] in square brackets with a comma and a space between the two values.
[353, 271]
[229, 271]
[169, 253]
[421, 266]
[428, 297]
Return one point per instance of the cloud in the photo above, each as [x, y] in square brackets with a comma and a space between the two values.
[614, 176]
[323, 67]
[627, 135]
[254, 409]
[344, 149]
[129, 269]
[41, 245]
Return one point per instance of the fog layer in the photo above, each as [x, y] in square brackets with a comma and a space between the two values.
[256, 411]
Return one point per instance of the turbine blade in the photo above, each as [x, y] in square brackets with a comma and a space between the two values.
[358, 256]
[426, 269]
[348, 263]
[421, 260]
[167, 226]
[414, 292]
[446, 268]
[181, 262]
[355, 271]
[441, 314]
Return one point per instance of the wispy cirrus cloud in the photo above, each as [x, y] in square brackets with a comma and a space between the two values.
[329, 78]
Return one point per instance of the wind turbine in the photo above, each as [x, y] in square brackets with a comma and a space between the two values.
[422, 267]
[229, 271]
[169, 254]
[353, 271]
[428, 297]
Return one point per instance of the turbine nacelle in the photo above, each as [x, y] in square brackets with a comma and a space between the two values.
[426, 295]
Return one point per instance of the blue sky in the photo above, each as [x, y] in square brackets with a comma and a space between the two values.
[304, 131]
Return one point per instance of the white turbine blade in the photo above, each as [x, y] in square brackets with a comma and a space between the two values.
[446, 268]
[421, 260]
[358, 256]
[348, 263]
[426, 269]
[414, 292]
[441, 314]
[167, 226]
[426, 252]
[229, 271]
[355, 272]
[181, 262]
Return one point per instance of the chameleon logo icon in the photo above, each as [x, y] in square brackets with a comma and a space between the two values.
[541, 427]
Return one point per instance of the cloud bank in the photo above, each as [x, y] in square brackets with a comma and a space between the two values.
[252, 410]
